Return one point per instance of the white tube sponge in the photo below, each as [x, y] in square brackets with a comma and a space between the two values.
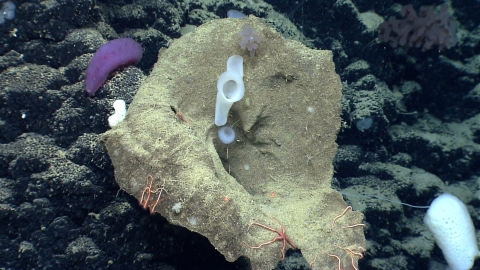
[230, 89]
[450, 223]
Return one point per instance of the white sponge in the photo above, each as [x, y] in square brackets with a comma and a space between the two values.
[7, 12]
[230, 89]
[120, 113]
[450, 223]
[226, 134]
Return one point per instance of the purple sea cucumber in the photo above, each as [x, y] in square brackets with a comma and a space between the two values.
[112, 55]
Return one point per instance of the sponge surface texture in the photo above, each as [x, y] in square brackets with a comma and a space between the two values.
[288, 150]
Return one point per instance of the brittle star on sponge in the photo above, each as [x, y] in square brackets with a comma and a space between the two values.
[148, 191]
[282, 236]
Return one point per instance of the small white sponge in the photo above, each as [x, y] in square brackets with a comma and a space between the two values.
[120, 113]
[450, 223]
[226, 134]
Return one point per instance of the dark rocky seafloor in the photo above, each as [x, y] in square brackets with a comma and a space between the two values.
[60, 207]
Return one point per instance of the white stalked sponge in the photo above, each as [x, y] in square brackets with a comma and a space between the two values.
[450, 223]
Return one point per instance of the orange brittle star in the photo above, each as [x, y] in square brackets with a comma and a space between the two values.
[352, 254]
[148, 190]
[348, 250]
[282, 236]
